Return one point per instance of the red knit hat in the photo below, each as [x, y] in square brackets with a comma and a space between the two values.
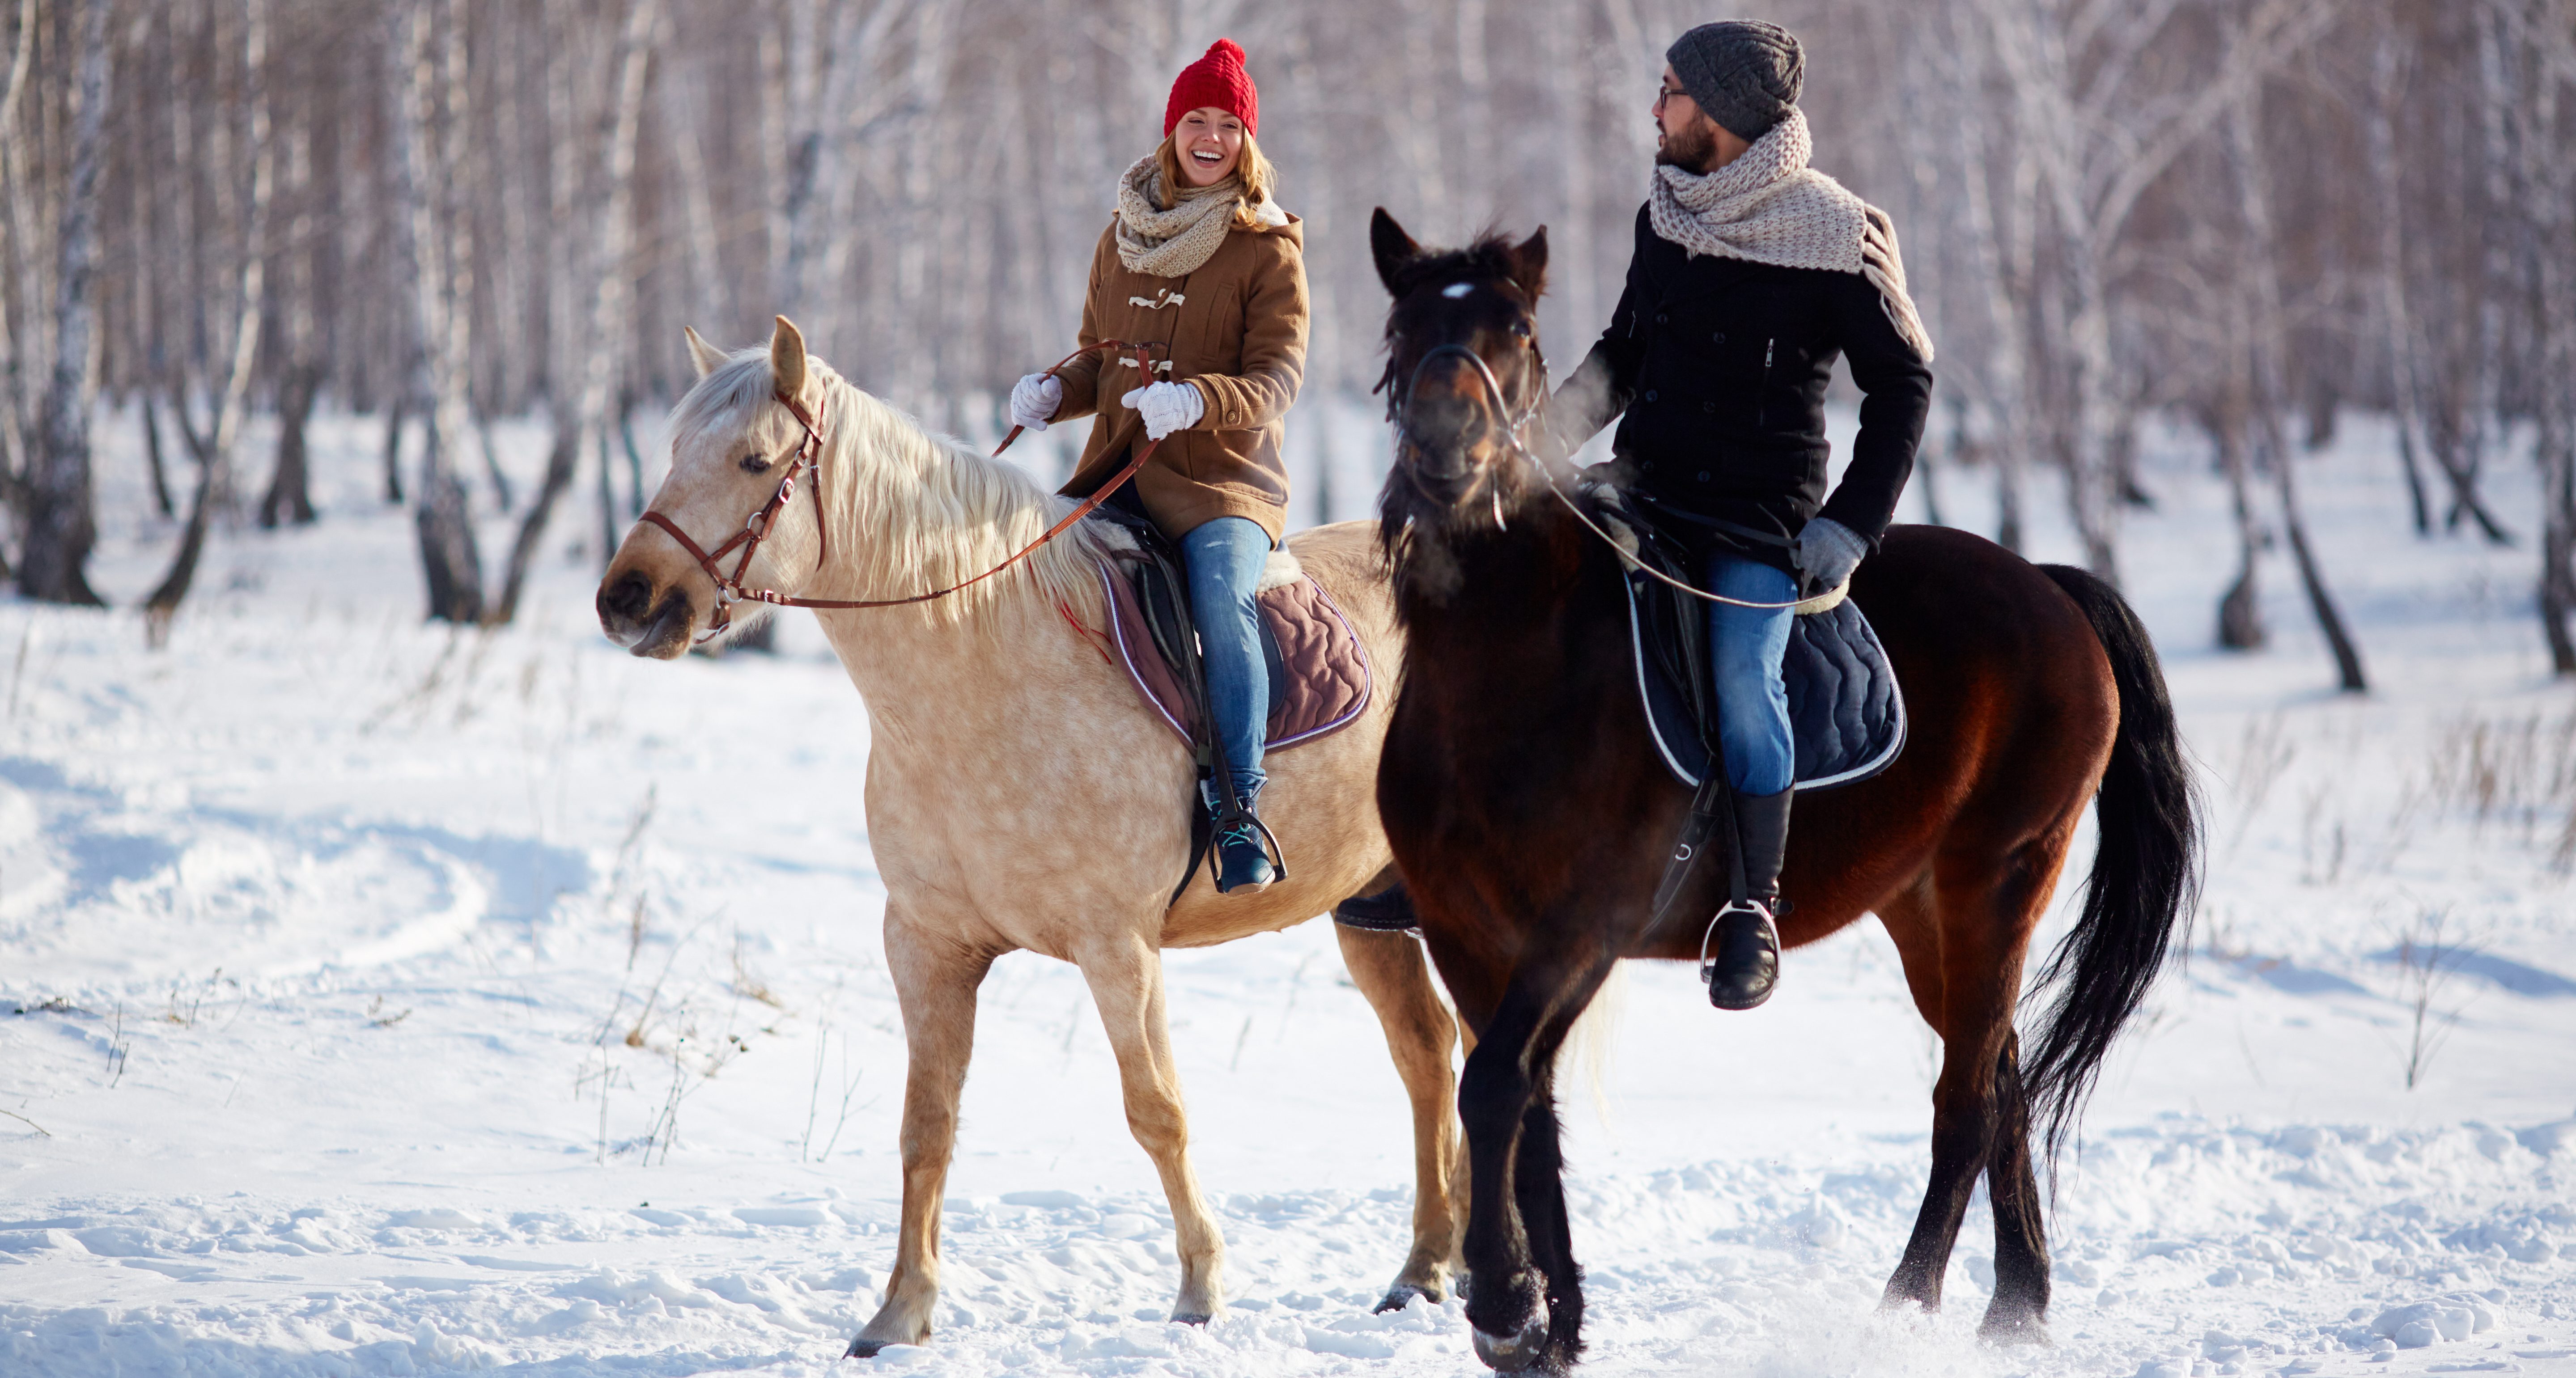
[1217, 79]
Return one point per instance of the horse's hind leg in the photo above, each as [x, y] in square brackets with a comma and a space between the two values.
[1963, 943]
[935, 980]
[2016, 1314]
[1389, 970]
[1126, 978]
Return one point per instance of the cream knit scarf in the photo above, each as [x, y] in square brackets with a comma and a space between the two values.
[1768, 206]
[1173, 243]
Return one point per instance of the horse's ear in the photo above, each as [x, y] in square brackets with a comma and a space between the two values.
[702, 354]
[1529, 263]
[787, 358]
[1395, 249]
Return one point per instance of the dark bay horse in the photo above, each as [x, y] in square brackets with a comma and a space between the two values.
[1531, 817]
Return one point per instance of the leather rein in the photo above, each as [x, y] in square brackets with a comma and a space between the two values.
[809, 460]
[1512, 431]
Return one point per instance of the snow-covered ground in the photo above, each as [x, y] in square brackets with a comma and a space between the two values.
[377, 998]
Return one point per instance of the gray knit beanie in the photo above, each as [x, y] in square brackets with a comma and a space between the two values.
[1743, 72]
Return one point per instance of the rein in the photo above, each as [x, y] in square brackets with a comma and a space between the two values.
[1512, 433]
[808, 459]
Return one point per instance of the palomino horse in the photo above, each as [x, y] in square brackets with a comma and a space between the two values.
[1019, 796]
[1532, 819]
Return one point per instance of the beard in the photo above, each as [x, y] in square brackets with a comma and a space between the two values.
[1691, 150]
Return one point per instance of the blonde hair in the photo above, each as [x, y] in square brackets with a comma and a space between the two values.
[1258, 176]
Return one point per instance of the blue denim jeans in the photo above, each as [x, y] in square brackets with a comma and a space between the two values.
[1745, 647]
[1225, 557]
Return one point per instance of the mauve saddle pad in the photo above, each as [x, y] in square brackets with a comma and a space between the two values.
[1327, 670]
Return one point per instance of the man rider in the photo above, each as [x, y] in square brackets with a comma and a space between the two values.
[1752, 272]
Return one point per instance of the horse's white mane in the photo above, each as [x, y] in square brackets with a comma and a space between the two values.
[910, 511]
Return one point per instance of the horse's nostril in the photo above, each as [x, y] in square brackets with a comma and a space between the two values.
[629, 597]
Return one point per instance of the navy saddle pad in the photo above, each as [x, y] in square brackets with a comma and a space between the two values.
[1845, 711]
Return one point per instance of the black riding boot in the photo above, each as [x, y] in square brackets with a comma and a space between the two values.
[1242, 859]
[1744, 948]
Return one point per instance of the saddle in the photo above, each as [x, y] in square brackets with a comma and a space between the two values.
[1846, 713]
[1320, 678]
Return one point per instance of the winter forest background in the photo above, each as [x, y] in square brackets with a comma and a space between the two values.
[390, 994]
[2247, 216]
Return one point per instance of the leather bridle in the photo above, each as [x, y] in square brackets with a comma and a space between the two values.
[808, 459]
[1397, 408]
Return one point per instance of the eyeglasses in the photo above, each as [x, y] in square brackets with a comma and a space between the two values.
[1664, 94]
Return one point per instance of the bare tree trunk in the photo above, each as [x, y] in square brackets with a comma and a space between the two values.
[2240, 611]
[60, 525]
[442, 267]
[290, 487]
[13, 413]
[396, 406]
[214, 451]
[290, 483]
[2245, 149]
[2549, 201]
[152, 455]
[612, 289]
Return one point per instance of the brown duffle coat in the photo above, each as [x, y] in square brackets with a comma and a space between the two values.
[1236, 329]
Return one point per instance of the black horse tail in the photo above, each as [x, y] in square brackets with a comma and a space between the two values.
[2146, 870]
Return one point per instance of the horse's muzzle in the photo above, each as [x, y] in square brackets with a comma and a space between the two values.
[629, 616]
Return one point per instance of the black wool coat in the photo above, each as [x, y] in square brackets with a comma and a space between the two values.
[1716, 369]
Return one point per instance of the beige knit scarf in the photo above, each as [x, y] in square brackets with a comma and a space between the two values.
[1768, 206]
[1173, 243]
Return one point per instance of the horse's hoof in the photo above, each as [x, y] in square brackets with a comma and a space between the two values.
[1517, 1354]
[1190, 1318]
[1401, 1296]
[2022, 1329]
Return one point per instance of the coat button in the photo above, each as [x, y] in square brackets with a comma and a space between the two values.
[1650, 466]
[1650, 394]
[1662, 319]
[1708, 407]
[1703, 476]
[1718, 338]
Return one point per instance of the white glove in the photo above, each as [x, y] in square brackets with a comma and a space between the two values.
[1829, 551]
[1034, 400]
[1166, 407]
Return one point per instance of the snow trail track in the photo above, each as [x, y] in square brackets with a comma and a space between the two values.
[377, 999]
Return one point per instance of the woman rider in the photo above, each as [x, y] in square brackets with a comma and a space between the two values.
[1201, 260]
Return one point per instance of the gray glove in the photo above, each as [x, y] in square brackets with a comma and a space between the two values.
[1829, 551]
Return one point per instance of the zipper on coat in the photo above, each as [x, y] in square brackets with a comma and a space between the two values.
[1762, 392]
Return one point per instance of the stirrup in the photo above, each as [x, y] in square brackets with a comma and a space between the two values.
[1749, 986]
[1707, 968]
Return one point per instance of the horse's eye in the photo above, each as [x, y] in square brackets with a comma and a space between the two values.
[1520, 330]
[754, 464]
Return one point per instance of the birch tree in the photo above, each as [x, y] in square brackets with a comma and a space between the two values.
[60, 525]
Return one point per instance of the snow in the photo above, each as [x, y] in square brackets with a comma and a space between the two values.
[385, 999]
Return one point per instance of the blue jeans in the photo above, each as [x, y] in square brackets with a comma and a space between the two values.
[1745, 647]
[1225, 558]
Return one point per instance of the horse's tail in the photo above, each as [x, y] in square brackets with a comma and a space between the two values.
[2146, 869]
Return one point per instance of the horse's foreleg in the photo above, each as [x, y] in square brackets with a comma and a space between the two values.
[1539, 1190]
[1126, 978]
[1389, 970]
[1497, 1099]
[934, 980]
